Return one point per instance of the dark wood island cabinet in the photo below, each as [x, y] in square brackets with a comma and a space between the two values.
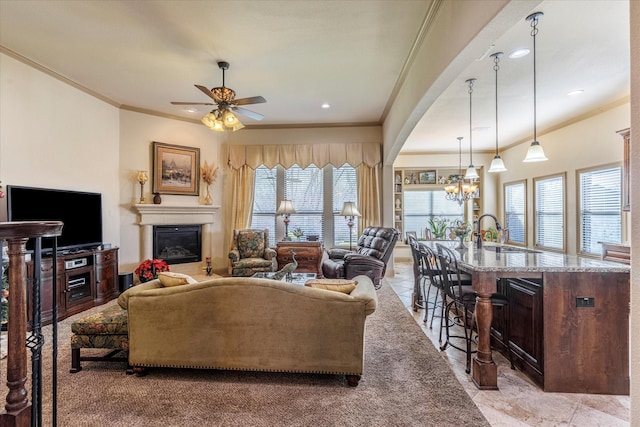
[567, 322]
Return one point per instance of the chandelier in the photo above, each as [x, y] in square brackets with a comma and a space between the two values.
[459, 190]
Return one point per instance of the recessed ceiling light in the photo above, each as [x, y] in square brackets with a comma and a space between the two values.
[518, 53]
[575, 92]
[325, 105]
[191, 109]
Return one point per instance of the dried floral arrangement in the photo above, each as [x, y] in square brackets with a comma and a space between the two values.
[209, 172]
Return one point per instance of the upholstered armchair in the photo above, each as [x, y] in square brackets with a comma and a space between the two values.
[251, 253]
[370, 258]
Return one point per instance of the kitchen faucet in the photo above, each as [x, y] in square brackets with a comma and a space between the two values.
[498, 228]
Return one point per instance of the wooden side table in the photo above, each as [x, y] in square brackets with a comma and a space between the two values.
[308, 256]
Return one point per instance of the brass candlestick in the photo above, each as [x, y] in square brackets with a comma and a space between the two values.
[142, 178]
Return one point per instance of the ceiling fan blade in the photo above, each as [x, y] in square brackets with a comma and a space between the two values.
[248, 113]
[208, 93]
[252, 100]
[192, 103]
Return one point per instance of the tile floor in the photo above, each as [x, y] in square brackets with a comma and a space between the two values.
[518, 402]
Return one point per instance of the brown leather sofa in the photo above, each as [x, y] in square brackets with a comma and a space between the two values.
[373, 250]
[245, 323]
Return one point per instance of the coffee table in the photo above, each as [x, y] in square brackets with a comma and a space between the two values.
[296, 278]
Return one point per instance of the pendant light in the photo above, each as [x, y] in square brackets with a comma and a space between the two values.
[535, 152]
[471, 170]
[497, 165]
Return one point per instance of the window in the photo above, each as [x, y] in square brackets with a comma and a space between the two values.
[549, 212]
[264, 203]
[515, 208]
[600, 217]
[420, 205]
[317, 196]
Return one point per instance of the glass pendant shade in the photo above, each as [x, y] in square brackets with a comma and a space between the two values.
[213, 122]
[471, 173]
[497, 165]
[535, 153]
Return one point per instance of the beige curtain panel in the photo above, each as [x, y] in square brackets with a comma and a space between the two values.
[304, 155]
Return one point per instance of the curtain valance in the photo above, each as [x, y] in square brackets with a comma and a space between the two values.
[304, 155]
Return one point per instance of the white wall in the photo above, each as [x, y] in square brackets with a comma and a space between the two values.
[585, 144]
[55, 136]
[137, 133]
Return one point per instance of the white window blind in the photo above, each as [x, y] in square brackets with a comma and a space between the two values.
[600, 216]
[264, 202]
[549, 211]
[344, 190]
[304, 187]
[420, 205]
[515, 196]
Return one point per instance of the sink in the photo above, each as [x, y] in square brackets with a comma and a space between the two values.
[512, 249]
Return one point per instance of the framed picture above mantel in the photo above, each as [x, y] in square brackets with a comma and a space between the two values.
[176, 169]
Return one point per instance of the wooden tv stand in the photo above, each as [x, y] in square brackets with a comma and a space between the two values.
[84, 280]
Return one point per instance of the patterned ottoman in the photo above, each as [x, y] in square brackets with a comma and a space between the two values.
[105, 329]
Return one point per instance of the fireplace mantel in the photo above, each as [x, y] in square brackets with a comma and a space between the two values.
[151, 215]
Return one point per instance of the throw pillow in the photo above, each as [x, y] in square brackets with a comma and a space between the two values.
[169, 279]
[338, 285]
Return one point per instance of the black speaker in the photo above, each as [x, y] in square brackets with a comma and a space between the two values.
[125, 281]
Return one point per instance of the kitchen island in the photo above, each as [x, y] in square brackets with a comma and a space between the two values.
[567, 323]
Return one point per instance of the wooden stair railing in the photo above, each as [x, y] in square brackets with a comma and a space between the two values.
[19, 411]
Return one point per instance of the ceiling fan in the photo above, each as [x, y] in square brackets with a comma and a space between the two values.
[222, 118]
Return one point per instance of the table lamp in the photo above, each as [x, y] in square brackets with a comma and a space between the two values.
[286, 209]
[349, 212]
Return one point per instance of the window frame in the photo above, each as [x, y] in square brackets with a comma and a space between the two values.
[328, 212]
[579, 227]
[563, 176]
[526, 211]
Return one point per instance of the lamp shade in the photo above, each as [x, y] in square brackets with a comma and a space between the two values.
[349, 209]
[497, 165]
[535, 153]
[285, 208]
[471, 173]
[231, 121]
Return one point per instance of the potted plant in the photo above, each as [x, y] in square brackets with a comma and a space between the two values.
[149, 269]
[437, 227]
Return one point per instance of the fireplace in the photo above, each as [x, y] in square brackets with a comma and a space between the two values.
[171, 215]
[177, 244]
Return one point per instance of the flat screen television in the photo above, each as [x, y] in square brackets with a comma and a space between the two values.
[80, 212]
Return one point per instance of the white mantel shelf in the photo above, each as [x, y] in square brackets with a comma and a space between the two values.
[151, 214]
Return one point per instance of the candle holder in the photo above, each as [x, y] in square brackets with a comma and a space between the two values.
[143, 177]
[208, 268]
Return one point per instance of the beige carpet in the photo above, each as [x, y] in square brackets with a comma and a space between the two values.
[405, 383]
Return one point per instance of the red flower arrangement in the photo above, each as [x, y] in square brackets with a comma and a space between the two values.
[149, 269]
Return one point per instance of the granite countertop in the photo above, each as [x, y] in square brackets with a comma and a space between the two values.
[487, 259]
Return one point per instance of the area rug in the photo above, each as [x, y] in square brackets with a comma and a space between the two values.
[405, 383]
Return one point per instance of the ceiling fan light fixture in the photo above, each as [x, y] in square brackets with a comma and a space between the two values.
[224, 94]
[213, 122]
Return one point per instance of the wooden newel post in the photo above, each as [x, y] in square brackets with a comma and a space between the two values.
[17, 405]
[18, 408]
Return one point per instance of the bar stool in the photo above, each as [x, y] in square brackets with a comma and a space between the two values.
[463, 298]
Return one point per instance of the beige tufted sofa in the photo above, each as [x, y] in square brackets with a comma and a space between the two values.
[249, 324]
